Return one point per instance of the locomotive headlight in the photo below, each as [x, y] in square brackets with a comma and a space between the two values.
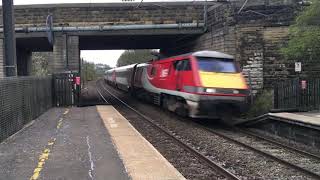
[211, 90]
[236, 92]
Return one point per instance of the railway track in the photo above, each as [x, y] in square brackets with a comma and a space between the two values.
[213, 165]
[290, 148]
[302, 161]
[288, 156]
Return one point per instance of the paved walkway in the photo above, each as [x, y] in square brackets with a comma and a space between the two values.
[80, 143]
[62, 144]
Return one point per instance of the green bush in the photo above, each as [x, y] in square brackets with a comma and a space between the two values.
[304, 39]
[262, 104]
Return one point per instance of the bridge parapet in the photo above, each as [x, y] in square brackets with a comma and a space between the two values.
[109, 14]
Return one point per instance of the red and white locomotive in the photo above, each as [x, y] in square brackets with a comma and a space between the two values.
[201, 84]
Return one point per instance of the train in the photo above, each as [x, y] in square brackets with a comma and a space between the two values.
[202, 84]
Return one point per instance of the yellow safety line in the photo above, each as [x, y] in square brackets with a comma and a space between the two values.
[59, 123]
[66, 112]
[42, 159]
[46, 152]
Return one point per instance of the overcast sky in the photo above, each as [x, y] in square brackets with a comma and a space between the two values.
[105, 57]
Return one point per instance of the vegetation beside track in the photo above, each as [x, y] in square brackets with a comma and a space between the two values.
[261, 105]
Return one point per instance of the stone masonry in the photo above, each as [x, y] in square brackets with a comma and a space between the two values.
[2, 73]
[66, 54]
[108, 14]
[254, 36]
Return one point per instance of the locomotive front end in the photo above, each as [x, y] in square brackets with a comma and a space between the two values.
[221, 91]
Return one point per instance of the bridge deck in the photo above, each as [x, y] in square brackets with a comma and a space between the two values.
[73, 144]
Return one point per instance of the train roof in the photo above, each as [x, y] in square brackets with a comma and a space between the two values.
[124, 67]
[214, 54]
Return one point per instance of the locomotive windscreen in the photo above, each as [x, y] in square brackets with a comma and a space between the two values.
[209, 64]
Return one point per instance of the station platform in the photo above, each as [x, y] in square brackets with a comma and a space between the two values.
[309, 118]
[82, 143]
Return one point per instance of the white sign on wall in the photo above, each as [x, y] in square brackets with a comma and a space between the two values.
[297, 66]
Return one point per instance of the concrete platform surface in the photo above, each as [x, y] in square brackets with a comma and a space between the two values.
[62, 144]
[312, 118]
[141, 159]
[82, 143]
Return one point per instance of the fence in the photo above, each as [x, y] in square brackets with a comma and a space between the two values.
[303, 95]
[22, 99]
[65, 91]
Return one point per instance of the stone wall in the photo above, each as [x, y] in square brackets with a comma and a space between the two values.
[275, 66]
[250, 54]
[261, 32]
[73, 53]
[2, 73]
[108, 14]
[66, 54]
[59, 63]
[254, 36]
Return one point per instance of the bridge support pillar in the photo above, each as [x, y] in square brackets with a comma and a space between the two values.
[2, 63]
[66, 54]
[24, 62]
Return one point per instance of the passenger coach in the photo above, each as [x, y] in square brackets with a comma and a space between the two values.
[200, 84]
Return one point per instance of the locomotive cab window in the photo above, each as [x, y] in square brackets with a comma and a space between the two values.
[182, 65]
[209, 64]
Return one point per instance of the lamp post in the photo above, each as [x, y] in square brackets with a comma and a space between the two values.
[9, 38]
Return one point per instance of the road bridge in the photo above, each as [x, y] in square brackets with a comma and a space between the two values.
[102, 26]
[252, 32]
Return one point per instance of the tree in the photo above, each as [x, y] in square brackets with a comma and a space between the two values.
[91, 71]
[88, 72]
[134, 56]
[304, 43]
[101, 69]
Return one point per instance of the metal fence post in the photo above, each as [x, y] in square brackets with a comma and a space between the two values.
[9, 38]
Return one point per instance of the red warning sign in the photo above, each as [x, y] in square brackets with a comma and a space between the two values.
[78, 80]
[303, 84]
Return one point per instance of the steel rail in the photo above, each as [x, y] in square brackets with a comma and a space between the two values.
[198, 154]
[292, 149]
[298, 168]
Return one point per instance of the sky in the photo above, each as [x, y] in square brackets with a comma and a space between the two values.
[109, 57]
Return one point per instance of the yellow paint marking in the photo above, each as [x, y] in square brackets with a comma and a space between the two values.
[42, 158]
[59, 125]
[66, 112]
[60, 121]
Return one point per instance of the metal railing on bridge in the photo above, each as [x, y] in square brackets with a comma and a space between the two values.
[299, 94]
[22, 99]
